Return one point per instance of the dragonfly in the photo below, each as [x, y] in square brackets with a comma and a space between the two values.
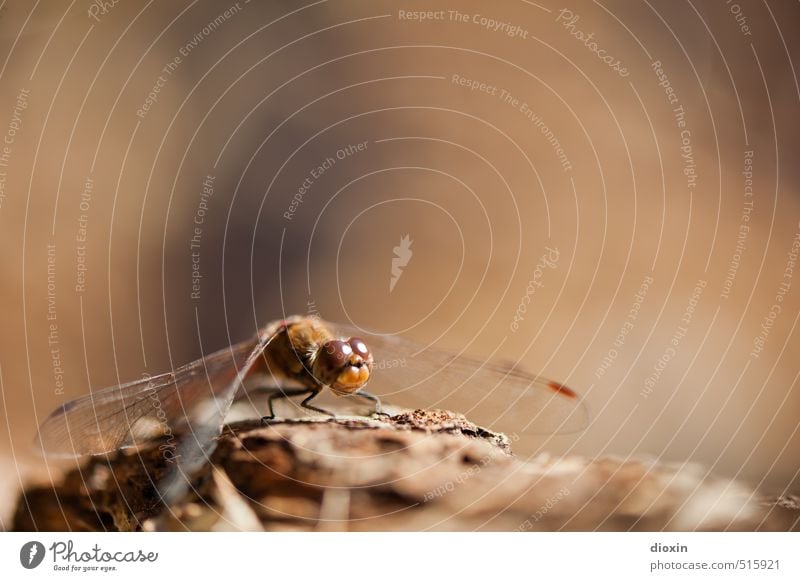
[301, 357]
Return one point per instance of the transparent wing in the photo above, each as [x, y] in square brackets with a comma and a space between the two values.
[205, 420]
[129, 414]
[495, 395]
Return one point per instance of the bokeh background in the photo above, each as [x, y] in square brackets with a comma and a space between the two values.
[649, 149]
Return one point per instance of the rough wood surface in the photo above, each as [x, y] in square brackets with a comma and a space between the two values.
[421, 470]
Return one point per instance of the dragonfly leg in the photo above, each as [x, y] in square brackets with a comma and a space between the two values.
[282, 394]
[371, 397]
[306, 405]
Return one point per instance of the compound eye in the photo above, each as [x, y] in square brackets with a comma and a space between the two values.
[335, 355]
[359, 348]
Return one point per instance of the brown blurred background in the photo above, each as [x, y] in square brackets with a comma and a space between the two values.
[490, 134]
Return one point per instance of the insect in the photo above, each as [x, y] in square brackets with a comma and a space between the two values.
[301, 357]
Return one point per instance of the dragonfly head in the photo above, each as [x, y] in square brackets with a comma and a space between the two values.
[345, 366]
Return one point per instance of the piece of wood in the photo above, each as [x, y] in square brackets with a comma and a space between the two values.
[420, 470]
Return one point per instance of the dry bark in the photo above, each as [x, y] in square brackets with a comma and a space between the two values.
[421, 470]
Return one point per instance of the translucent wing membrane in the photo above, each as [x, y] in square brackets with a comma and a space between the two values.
[130, 414]
[195, 398]
[207, 415]
[500, 396]
[192, 401]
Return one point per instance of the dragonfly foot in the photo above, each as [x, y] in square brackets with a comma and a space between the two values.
[373, 398]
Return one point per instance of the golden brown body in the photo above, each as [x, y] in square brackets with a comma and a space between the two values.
[290, 352]
[305, 351]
